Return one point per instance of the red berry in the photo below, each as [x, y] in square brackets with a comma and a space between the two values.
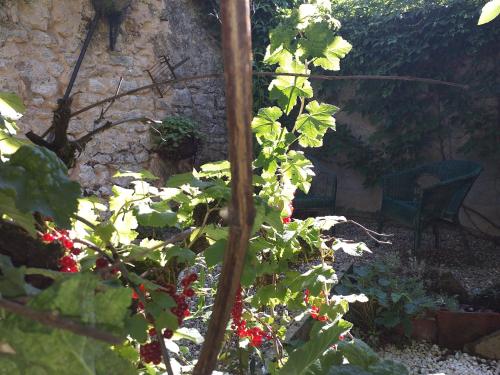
[76, 251]
[48, 237]
[152, 332]
[66, 243]
[286, 220]
[168, 333]
[193, 277]
[101, 263]
[188, 292]
[67, 261]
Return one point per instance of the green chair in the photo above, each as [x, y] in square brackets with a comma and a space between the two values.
[408, 201]
[322, 195]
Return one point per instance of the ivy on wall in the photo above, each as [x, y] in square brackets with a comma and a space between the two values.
[433, 39]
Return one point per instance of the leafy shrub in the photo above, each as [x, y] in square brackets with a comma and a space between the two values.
[392, 300]
[173, 130]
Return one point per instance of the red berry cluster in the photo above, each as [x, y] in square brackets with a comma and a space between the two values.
[239, 325]
[67, 263]
[151, 352]
[288, 218]
[314, 309]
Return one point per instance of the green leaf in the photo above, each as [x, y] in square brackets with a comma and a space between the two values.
[182, 254]
[11, 106]
[214, 254]
[336, 50]
[286, 89]
[216, 169]
[265, 125]
[148, 216]
[137, 326]
[358, 353]
[284, 34]
[317, 38]
[37, 180]
[80, 297]
[25, 220]
[489, 12]
[302, 358]
[191, 334]
[313, 125]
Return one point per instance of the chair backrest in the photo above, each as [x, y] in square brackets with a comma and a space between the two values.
[444, 199]
[448, 170]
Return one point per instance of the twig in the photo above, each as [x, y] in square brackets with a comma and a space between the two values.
[105, 110]
[52, 319]
[370, 233]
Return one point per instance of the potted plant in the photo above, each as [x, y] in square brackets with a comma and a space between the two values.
[176, 138]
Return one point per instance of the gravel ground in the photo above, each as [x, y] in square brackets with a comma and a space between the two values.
[476, 269]
[428, 359]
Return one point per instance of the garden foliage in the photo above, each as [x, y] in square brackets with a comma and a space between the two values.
[140, 288]
[431, 39]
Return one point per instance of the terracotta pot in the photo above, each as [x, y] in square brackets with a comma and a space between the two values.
[186, 149]
[425, 329]
[455, 329]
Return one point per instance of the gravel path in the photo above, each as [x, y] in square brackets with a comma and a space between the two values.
[423, 358]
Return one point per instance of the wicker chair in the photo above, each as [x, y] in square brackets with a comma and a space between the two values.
[322, 195]
[405, 201]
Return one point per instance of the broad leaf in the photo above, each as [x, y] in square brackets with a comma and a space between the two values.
[265, 124]
[11, 106]
[489, 12]
[302, 358]
[38, 182]
[313, 125]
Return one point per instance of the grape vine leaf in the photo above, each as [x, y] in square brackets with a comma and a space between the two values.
[313, 125]
[286, 89]
[336, 50]
[36, 179]
[265, 124]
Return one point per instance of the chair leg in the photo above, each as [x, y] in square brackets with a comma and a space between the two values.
[465, 241]
[417, 240]
[435, 230]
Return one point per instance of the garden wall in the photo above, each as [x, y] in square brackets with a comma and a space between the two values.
[40, 42]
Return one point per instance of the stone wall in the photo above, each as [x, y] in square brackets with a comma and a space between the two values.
[40, 41]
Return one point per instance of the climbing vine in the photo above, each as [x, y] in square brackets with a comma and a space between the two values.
[431, 39]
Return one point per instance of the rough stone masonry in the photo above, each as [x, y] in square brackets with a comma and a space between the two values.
[39, 45]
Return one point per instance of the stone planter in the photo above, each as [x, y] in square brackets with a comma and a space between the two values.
[457, 328]
[187, 148]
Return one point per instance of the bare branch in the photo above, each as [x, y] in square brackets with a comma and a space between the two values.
[370, 233]
[273, 74]
[108, 125]
[52, 319]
